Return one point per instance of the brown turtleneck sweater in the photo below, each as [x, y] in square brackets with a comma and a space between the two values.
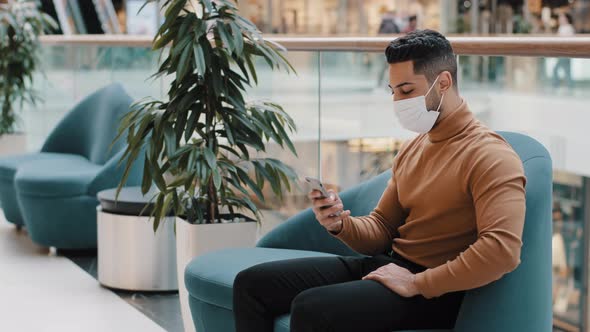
[455, 204]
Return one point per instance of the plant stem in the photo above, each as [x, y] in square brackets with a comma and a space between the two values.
[210, 142]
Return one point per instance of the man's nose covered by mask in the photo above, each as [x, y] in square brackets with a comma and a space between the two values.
[413, 114]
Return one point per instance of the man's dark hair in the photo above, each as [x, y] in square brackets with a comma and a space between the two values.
[413, 18]
[569, 18]
[430, 52]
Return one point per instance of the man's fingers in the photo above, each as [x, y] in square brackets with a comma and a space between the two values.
[314, 194]
[331, 211]
[373, 276]
[326, 221]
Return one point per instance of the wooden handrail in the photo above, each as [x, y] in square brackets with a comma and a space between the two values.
[522, 45]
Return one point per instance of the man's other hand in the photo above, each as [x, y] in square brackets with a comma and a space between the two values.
[396, 278]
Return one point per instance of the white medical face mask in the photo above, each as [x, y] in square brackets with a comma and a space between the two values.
[413, 115]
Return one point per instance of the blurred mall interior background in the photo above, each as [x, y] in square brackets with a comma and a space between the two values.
[347, 132]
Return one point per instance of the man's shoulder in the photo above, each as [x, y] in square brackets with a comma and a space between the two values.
[485, 141]
[488, 149]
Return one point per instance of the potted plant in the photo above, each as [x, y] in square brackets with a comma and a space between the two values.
[199, 144]
[21, 23]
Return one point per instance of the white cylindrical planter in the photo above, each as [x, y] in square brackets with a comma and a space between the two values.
[132, 257]
[193, 240]
[13, 144]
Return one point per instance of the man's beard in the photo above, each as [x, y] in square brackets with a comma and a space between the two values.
[432, 102]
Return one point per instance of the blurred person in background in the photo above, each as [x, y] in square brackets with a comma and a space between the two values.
[388, 26]
[388, 23]
[412, 24]
[566, 29]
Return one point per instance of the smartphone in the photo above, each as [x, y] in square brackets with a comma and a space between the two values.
[317, 185]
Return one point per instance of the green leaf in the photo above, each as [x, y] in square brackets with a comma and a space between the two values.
[166, 207]
[230, 149]
[285, 137]
[184, 64]
[285, 180]
[210, 157]
[170, 137]
[157, 175]
[252, 69]
[238, 38]
[157, 211]
[246, 179]
[199, 60]
[286, 62]
[226, 165]
[145, 4]
[192, 159]
[174, 10]
[180, 124]
[146, 182]
[224, 35]
[216, 178]
[246, 77]
[193, 121]
[274, 180]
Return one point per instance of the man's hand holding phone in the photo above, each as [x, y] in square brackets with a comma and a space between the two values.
[328, 210]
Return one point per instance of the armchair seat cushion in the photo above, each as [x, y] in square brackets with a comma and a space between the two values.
[10, 164]
[210, 277]
[66, 175]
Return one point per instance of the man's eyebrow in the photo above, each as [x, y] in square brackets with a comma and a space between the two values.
[402, 84]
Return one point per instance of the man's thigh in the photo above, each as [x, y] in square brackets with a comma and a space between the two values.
[275, 284]
[367, 305]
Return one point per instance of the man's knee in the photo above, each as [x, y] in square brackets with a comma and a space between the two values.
[255, 279]
[308, 313]
[247, 279]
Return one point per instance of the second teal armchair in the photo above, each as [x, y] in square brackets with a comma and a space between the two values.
[519, 301]
[53, 192]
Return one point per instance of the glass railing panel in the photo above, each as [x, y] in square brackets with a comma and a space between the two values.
[72, 72]
[360, 134]
[298, 94]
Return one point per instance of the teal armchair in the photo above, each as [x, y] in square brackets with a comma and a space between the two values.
[53, 192]
[520, 301]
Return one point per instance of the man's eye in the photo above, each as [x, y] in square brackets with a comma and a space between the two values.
[407, 92]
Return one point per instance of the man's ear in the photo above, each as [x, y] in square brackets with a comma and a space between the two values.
[445, 81]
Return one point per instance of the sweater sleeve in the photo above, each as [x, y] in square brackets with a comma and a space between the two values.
[373, 234]
[497, 185]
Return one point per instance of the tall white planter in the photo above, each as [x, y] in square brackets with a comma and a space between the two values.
[13, 144]
[193, 240]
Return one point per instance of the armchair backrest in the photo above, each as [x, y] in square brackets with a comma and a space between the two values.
[90, 127]
[521, 300]
[303, 232]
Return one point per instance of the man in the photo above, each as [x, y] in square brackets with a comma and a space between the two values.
[450, 219]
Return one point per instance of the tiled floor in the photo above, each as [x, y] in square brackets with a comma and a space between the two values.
[45, 292]
[161, 307]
